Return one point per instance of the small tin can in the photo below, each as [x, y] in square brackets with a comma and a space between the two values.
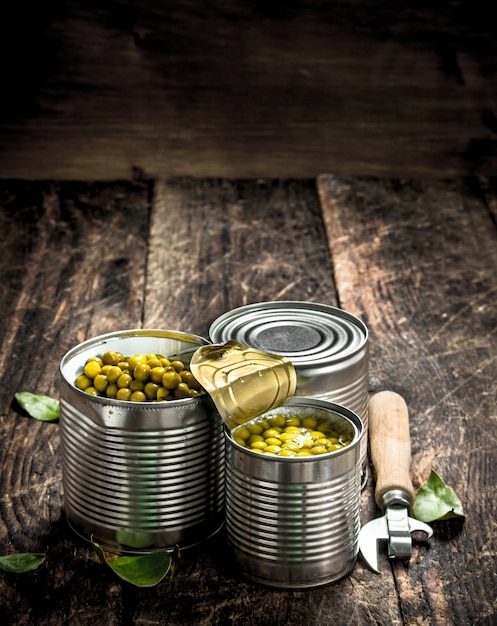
[327, 346]
[293, 522]
[140, 476]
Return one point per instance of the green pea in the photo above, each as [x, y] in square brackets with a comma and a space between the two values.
[124, 393]
[179, 366]
[162, 394]
[243, 433]
[150, 390]
[113, 373]
[111, 390]
[182, 391]
[136, 385]
[124, 380]
[319, 450]
[100, 383]
[271, 433]
[142, 372]
[111, 358]
[153, 361]
[171, 379]
[134, 360]
[82, 382]
[156, 374]
[258, 445]
[91, 369]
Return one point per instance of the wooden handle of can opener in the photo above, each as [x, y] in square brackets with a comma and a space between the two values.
[390, 444]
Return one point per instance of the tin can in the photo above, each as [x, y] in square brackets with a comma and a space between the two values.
[140, 476]
[293, 522]
[327, 346]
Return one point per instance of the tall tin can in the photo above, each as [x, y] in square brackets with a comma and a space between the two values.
[327, 346]
[293, 522]
[140, 476]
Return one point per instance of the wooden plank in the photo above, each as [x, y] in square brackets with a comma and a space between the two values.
[239, 89]
[72, 265]
[217, 244]
[417, 261]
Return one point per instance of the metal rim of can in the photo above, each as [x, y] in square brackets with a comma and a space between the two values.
[307, 333]
[68, 366]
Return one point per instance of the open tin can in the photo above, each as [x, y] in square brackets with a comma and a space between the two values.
[327, 346]
[140, 476]
[293, 522]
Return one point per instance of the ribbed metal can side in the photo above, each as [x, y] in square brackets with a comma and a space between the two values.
[140, 476]
[294, 522]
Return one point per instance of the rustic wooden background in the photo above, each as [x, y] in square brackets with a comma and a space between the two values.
[247, 88]
[163, 163]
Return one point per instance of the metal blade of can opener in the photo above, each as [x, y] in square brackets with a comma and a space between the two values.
[390, 448]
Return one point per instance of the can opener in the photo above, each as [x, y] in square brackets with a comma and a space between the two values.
[391, 456]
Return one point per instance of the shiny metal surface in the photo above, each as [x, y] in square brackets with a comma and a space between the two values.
[327, 346]
[140, 476]
[293, 522]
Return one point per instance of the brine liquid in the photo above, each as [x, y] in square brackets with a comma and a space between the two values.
[243, 382]
[294, 435]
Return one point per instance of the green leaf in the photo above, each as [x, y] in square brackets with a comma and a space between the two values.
[145, 570]
[436, 501]
[41, 408]
[22, 562]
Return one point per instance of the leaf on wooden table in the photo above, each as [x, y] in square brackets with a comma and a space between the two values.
[21, 562]
[145, 570]
[436, 501]
[40, 407]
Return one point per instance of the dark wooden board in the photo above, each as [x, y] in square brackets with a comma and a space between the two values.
[247, 89]
[418, 261]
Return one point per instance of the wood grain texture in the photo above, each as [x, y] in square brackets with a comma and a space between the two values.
[248, 89]
[72, 265]
[243, 239]
[217, 244]
[417, 260]
[390, 445]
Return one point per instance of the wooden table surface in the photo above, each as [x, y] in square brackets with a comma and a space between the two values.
[415, 260]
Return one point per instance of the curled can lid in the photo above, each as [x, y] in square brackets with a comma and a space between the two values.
[242, 381]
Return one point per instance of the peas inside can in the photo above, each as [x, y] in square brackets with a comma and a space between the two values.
[138, 378]
[293, 435]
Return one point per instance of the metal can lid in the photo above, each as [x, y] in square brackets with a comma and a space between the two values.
[242, 381]
[305, 332]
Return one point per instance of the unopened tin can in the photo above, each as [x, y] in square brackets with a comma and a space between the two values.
[327, 346]
[293, 522]
[139, 476]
